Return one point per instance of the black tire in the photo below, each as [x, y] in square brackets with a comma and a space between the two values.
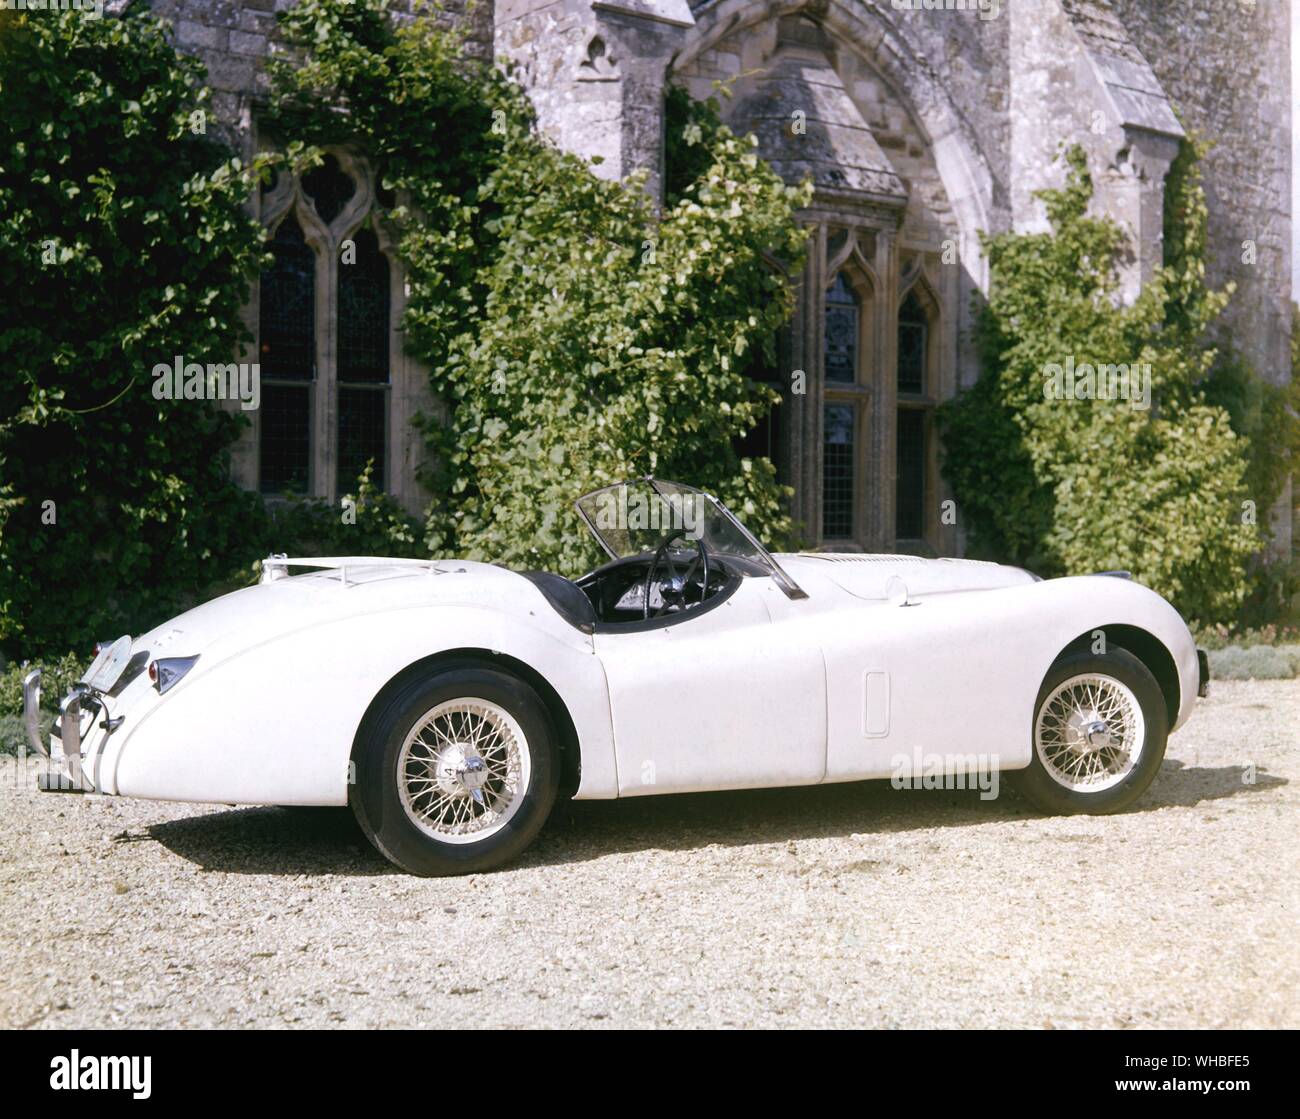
[1037, 784]
[375, 796]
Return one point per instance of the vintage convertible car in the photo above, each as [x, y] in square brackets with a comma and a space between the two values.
[449, 702]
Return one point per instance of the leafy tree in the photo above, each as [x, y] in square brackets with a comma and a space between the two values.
[1067, 486]
[122, 244]
[580, 337]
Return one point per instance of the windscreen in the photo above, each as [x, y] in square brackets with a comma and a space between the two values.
[633, 518]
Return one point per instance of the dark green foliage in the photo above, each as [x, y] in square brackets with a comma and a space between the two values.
[367, 523]
[57, 677]
[122, 244]
[1268, 416]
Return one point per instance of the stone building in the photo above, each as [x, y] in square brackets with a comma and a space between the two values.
[922, 124]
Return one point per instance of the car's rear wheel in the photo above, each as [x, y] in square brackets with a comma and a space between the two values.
[455, 772]
[1100, 725]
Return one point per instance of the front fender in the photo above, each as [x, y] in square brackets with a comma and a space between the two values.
[1090, 602]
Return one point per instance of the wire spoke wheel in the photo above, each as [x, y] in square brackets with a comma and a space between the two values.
[1089, 733]
[463, 770]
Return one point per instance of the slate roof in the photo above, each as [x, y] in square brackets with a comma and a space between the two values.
[837, 149]
[1125, 75]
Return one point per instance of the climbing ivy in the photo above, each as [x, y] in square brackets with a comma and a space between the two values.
[122, 243]
[1068, 486]
[579, 336]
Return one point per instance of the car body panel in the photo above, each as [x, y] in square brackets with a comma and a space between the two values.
[878, 659]
[956, 672]
[725, 700]
[273, 721]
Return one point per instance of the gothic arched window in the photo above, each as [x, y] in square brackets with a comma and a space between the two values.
[842, 311]
[329, 188]
[326, 306]
[913, 339]
[839, 445]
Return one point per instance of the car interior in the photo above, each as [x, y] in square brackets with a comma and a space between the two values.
[645, 591]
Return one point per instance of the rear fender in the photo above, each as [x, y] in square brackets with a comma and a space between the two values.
[275, 724]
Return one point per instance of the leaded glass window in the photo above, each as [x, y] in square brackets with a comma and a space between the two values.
[841, 342]
[909, 504]
[286, 442]
[325, 334]
[913, 339]
[287, 348]
[363, 368]
[838, 468]
[910, 435]
[764, 439]
[363, 433]
[287, 306]
[363, 313]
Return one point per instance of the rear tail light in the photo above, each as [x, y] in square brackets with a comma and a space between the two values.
[166, 672]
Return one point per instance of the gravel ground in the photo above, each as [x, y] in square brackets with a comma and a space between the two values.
[850, 905]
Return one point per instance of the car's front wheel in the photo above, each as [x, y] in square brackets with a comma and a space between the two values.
[1099, 729]
[455, 772]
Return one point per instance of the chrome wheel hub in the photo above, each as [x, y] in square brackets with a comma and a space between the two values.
[463, 770]
[1089, 733]
[1085, 732]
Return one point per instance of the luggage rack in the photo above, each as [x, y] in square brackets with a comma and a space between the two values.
[276, 566]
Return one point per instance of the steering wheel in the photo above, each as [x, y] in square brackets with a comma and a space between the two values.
[676, 585]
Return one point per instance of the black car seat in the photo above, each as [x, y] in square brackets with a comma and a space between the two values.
[566, 598]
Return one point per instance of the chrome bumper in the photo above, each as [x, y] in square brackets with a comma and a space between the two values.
[54, 780]
[32, 712]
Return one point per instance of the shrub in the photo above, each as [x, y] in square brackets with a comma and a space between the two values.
[369, 523]
[57, 677]
[1222, 636]
[1268, 418]
[1259, 662]
[1072, 486]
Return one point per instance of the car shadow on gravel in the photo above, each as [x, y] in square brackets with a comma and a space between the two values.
[328, 841]
[273, 841]
[1181, 785]
[581, 830]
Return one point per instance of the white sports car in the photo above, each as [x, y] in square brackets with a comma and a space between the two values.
[449, 703]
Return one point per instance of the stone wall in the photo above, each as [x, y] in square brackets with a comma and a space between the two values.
[233, 37]
[969, 57]
[1226, 66]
